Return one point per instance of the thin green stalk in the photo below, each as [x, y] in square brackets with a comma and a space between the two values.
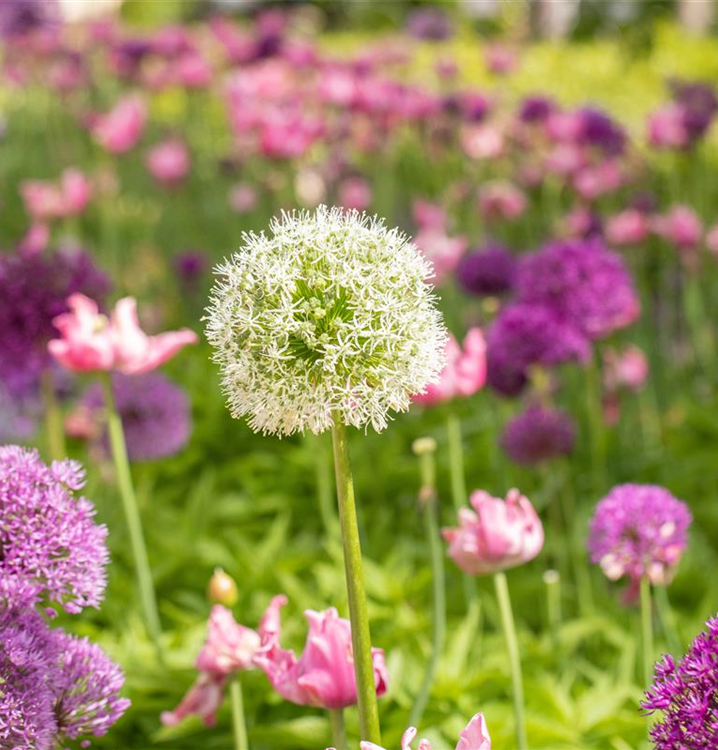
[54, 429]
[596, 425]
[647, 629]
[512, 647]
[552, 579]
[239, 725]
[361, 636]
[429, 502]
[459, 493]
[339, 735]
[668, 619]
[132, 514]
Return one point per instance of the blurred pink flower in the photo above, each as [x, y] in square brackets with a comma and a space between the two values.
[324, 675]
[169, 162]
[203, 699]
[464, 373]
[474, 736]
[443, 251]
[500, 199]
[193, 71]
[712, 240]
[482, 141]
[242, 198]
[565, 159]
[629, 227]
[355, 192]
[90, 342]
[496, 535]
[45, 200]
[36, 238]
[500, 59]
[626, 368]
[667, 127]
[599, 179]
[681, 226]
[120, 129]
[428, 215]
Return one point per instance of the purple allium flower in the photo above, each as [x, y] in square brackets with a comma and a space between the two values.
[583, 282]
[33, 290]
[89, 685]
[18, 414]
[490, 271]
[524, 335]
[538, 435]
[20, 17]
[601, 131]
[536, 108]
[431, 24]
[48, 536]
[639, 530]
[155, 414]
[699, 103]
[190, 266]
[686, 694]
[28, 658]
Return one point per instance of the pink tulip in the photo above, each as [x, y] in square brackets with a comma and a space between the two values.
[464, 373]
[242, 198]
[496, 535]
[120, 129]
[597, 180]
[629, 227]
[681, 226]
[203, 699]
[36, 238]
[193, 71]
[474, 736]
[169, 162]
[45, 200]
[443, 251]
[625, 369]
[501, 200]
[482, 141]
[667, 128]
[324, 675]
[76, 191]
[230, 647]
[565, 159]
[429, 215]
[90, 341]
[355, 192]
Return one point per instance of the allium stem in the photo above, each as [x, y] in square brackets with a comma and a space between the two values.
[361, 636]
[668, 619]
[239, 726]
[132, 514]
[430, 507]
[54, 429]
[339, 735]
[512, 647]
[459, 493]
[647, 630]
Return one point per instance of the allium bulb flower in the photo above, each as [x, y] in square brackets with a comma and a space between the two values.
[537, 435]
[496, 535]
[324, 675]
[474, 736]
[685, 696]
[329, 316]
[155, 414]
[48, 536]
[637, 531]
[490, 271]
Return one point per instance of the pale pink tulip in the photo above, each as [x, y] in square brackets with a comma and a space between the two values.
[482, 141]
[120, 129]
[355, 192]
[443, 251]
[501, 200]
[243, 198]
[324, 675]
[681, 226]
[496, 535]
[90, 341]
[464, 373]
[203, 699]
[629, 227]
[429, 215]
[627, 368]
[667, 127]
[169, 162]
[230, 647]
[46, 200]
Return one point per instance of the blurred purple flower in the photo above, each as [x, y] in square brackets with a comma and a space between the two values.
[190, 266]
[601, 131]
[430, 24]
[536, 108]
[489, 271]
[20, 17]
[537, 435]
[699, 103]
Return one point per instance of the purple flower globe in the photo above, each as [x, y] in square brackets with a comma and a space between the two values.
[536, 108]
[586, 284]
[538, 435]
[637, 531]
[487, 272]
[155, 414]
[685, 695]
[699, 103]
[599, 130]
[430, 24]
[20, 17]
[48, 536]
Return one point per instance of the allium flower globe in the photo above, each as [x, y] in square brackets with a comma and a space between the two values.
[327, 316]
[537, 435]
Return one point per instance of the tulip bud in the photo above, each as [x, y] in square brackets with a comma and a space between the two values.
[222, 589]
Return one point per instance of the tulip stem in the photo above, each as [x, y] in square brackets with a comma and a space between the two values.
[132, 514]
[512, 647]
[459, 494]
[54, 430]
[339, 735]
[238, 722]
[429, 502]
[361, 635]
[647, 629]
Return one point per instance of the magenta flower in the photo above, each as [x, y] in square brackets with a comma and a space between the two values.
[464, 373]
[667, 128]
[120, 129]
[169, 162]
[90, 342]
[537, 435]
[637, 531]
[324, 675]
[626, 368]
[496, 535]
[45, 201]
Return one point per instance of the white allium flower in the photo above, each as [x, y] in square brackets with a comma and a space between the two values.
[330, 313]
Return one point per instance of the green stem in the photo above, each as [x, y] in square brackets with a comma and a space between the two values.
[428, 500]
[54, 429]
[595, 422]
[512, 647]
[647, 629]
[552, 579]
[239, 725]
[361, 636]
[459, 493]
[339, 735]
[132, 514]
[668, 619]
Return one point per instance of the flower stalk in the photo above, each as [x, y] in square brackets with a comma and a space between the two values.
[239, 725]
[647, 629]
[361, 635]
[339, 735]
[54, 430]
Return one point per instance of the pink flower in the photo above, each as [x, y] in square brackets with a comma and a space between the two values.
[169, 162]
[45, 200]
[474, 736]
[712, 240]
[242, 198]
[500, 59]
[193, 71]
[355, 192]
[429, 215]
[482, 141]
[501, 200]
[629, 227]
[230, 647]
[681, 226]
[118, 130]
[324, 675]
[443, 251]
[464, 373]
[667, 127]
[89, 341]
[565, 159]
[496, 535]
[203, 699]
[597, 180]
[625, 369]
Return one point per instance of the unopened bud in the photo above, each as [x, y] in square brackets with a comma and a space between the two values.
[423, 445]
[222, 589]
